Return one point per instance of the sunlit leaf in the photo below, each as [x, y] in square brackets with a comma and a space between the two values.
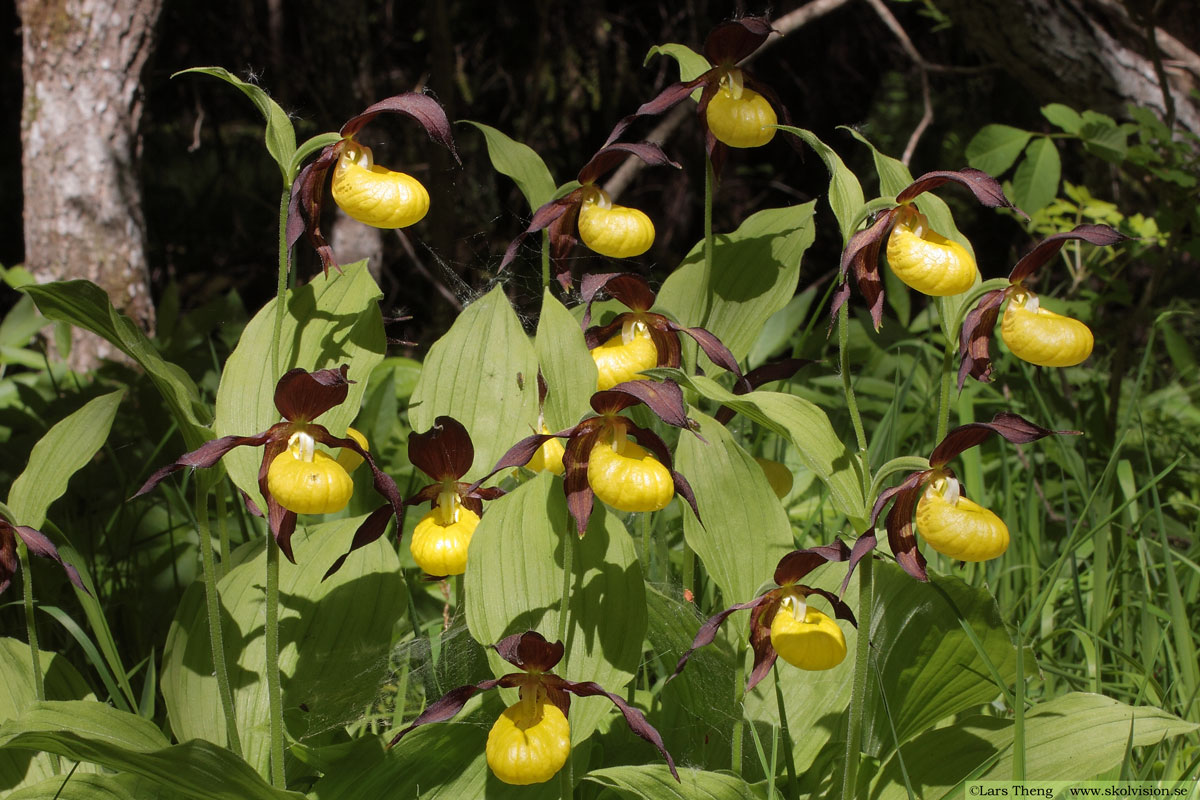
[845, 192]
[566, 364]
[515, 575]
[334, 638]
[521, 163]
[482, 372]
[654, 782]
[996, 148]
[329, 322]
[1035, 182]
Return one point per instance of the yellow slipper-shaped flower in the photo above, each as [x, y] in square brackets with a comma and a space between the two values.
[441, 539]
[374, 195]
[805, 637]
[530, 741]
[612, 230]
[623, 356]
[629, 478]
[1041, 337]
[307, 481]
[927, 261]
[957, 527]
[740, 117]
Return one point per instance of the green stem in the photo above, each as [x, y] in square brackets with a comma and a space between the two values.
[35, 654]
[274, 697]
[943, 422]
[1019, 711]
[644, 522]
[212, 599]
[739, 695]
[281, 284]
[786, 735]
[710, 190]
[860, 434]
[858, 696]
[565, 775]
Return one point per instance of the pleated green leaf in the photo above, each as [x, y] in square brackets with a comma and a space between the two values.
[845, 192]
[329, 322]
[654, 782]
[515, 583]
[483, 373]
[334, 639]
[754, 274]
[691, 64]
[22, 767]
[77, 787]
[58, 455]
[99, 734]
[442, 761]
[520, 162]
[280, 136]
[929, 668]
[566, 363]
[1073, 737]
[807, 427]
[739, 542]
[85, 305]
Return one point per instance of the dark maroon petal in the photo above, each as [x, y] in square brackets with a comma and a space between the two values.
[1012, 427]
[714, 348]
[8, 555]
[664, 398]
[987, 190]
[447, 706]
[370, 530]
[516, 456]
[302, 396]
[612, 156]
[911, 480]
[840, 609]
[597, 335]
[840, 295]
[304, 206]
[975, 338]
[543, 389]
[633, 717]
[1099, 235]
[41, 546]
[420, 107]
[708, 631]
[730, 42]
[760, 637]
[667, 99]
[900, 533]
[666, 341]
[862, 547]
[795, 565]
[580, 497]
[208, 454]
[282, 523]
[861, 257]
[542, 218]
[530, 651]
[443, 452]
[629, 289]
[556, 692]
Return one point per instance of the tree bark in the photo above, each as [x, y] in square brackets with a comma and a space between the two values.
[82, 64]
[1086, 53]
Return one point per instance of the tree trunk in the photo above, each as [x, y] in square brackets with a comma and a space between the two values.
[82, 63]
[1088, 53]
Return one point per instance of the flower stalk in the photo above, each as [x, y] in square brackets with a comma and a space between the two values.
[212, 600]
[271, 636]
[858, 691]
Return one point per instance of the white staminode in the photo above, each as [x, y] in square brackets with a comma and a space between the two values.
[302, 446]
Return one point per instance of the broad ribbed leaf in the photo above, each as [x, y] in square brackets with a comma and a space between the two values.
[1073, 737]
[78, 787]
[740, 542]
[566, 364]
[515, 575]
[329, 322]
[519, 162]
[1035, 183]
[996, 148]
[755, 271]
[776, 333]
[280, 135]
[691, 64]
[808, 428]
[929, 667]
[482, 372]
[654, 782]
[99, 734]
[441, 761]
[85, 305]
[22, 767]
[334, 635]
[58, 455]
[845, 192]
